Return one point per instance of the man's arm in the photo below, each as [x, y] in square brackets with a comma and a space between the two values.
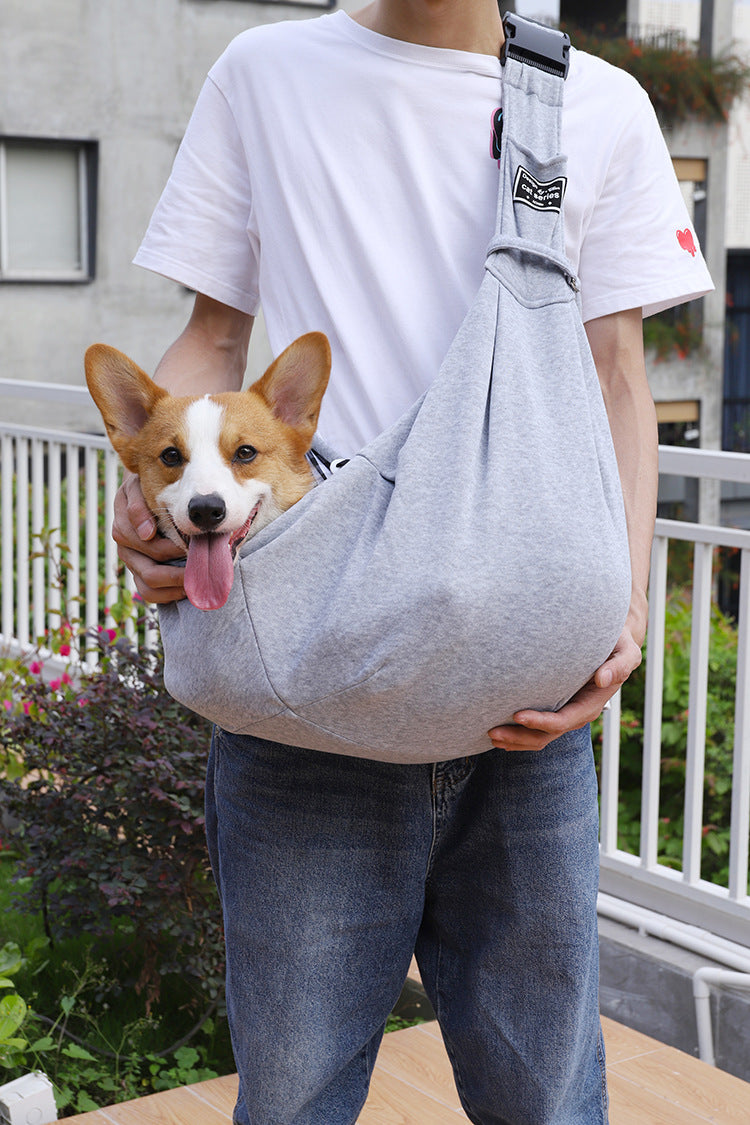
[617, 346]
[208, 357]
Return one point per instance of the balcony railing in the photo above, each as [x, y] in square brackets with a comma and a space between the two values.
[58, 561]
[641, 879]
[57, 496]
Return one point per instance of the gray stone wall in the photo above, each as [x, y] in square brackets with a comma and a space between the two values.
[125, 73]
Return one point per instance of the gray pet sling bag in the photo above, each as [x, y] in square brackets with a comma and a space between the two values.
[472, 560]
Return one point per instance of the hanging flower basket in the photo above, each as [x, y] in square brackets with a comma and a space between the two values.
[681, 84]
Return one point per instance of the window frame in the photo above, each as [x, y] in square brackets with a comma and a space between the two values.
[88, 165]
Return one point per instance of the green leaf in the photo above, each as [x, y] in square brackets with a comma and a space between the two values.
[36, 945]
[63, 1096]
[84, 1103]
[12, 1015]
[186, 1057]
[8, 1051]
[73, 1051]
[46, 1043]
[11, 959]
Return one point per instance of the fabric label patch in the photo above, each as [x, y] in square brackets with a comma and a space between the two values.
[542, 196]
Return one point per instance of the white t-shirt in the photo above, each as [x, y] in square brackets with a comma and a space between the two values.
[345, 181]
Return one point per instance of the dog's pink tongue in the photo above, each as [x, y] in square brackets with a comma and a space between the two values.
[209, 571]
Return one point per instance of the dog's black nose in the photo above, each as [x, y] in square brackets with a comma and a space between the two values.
[207, 512]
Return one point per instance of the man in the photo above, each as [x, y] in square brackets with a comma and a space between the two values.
[338, 170]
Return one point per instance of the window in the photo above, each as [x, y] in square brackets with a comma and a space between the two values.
[47, 210]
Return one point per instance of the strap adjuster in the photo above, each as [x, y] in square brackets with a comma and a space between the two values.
[535, 44]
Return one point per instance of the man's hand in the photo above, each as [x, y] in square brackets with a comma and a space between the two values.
[532, 730]
[145, 553]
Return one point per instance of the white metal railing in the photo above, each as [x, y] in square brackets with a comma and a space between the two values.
[58, 561]
[641, 879]
[58, 481]
[32, 391]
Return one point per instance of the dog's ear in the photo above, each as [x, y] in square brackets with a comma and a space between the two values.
[123, 392]
[295, 383]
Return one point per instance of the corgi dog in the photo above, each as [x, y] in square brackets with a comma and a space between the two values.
[214, 469]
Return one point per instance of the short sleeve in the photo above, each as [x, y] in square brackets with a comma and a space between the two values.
[200, 234]
[640, 248]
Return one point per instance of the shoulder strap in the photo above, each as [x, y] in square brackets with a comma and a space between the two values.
[532, 169]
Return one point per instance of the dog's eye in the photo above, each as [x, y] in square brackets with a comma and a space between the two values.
[171, 457]
[246, 453]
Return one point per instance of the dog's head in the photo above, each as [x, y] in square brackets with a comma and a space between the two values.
[215, 469]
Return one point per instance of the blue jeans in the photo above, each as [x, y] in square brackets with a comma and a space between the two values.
[332, 870]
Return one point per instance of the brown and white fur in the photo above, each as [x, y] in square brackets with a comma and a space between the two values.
[214, 469]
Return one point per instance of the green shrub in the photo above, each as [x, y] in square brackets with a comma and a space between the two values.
[118, 990]
[719, 744]
[681, 83]
[105, 787]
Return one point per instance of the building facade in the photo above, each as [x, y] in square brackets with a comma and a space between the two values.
[94, 99]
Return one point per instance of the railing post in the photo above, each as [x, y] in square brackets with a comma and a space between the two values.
[652, 711]
[610, 775]
[54, 523]
[38, 568]
[738, 847]
[73, 529]
[700, 638]
[7, 469]
[91, 501]
[111, 473]
[22, 541]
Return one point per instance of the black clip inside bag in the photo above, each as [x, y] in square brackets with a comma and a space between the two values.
[533, 43]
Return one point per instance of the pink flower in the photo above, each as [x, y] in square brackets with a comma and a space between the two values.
[112, 634]
[26, 707]
[66, 678]
[64, 650]
[55, 684]
[35, 667]
[7, 705]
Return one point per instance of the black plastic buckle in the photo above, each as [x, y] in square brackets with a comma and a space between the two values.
[535, 44]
